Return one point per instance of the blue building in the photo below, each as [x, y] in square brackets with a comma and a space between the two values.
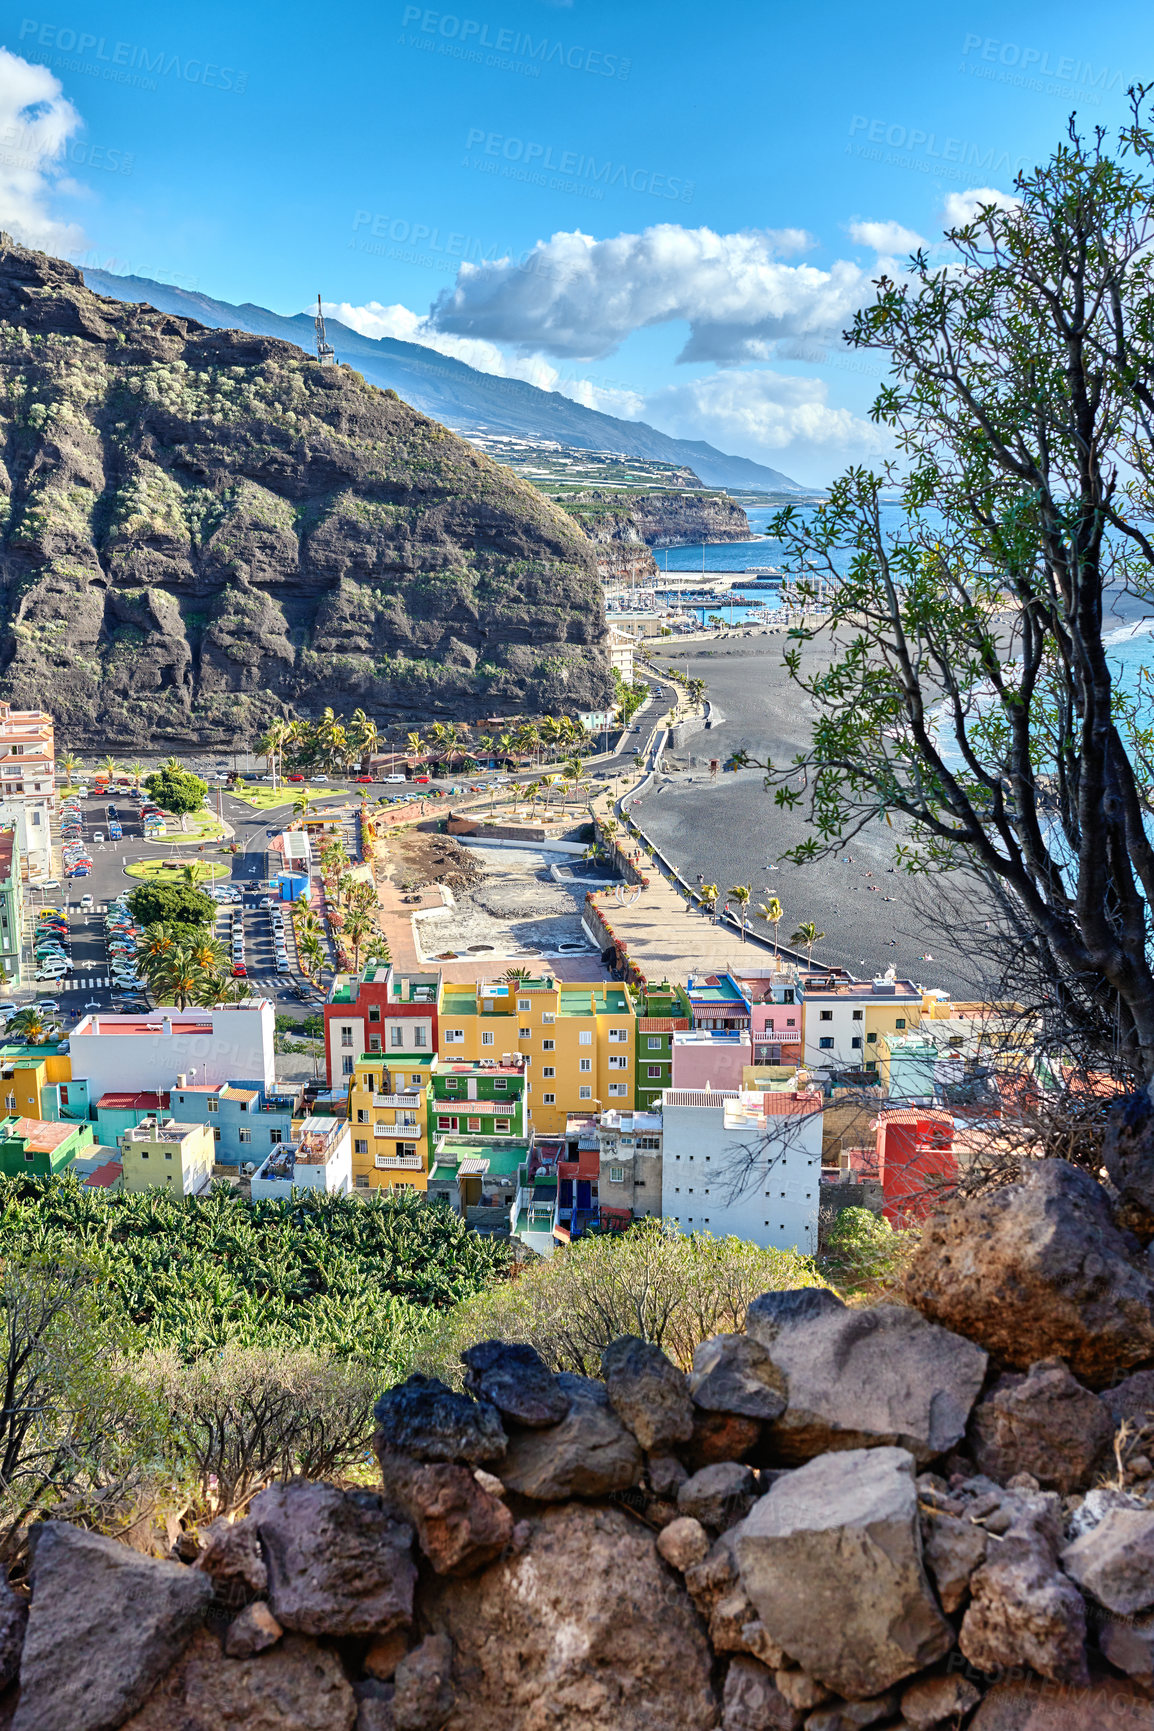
[246, 1119]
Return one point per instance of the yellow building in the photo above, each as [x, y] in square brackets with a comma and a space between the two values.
[25, 1073]
[577, 1041]
[162, 1154]
[389, 1111]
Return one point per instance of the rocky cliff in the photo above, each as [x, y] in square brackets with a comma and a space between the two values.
[203, 528]
[624, 526]
[930, 1513]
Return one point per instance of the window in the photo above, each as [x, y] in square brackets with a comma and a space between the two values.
[856, 1042]
[216, 1135]
[347, 1066]
[500, 1084]
[346, 1036]
[454, 1036]
[585, 1093]
[548, 1070]
[619, 1090]
[396, 1035]
[548, 1016]
[790, 1023]
[618, 1061]
[826, 1045]
[524, 1006]
[827, 1015]
[655, 1042]
[10, 1102]
[374, 1012]
[501, 1126]
[618, 1036]
[899, 1021]
[856, 1015]
[548, 1099]
[548, 1045]
[523, 1033]
[143, 1154]
[245, 1136]
[214, 1105]
[486, 1039]
[649, 1143]
[168, 1153]
[374, 1042]
[420, 1036]
[474, 1126]
[406, 1150]
[871, 1039]
[361, 1145]
[274, 1137]
[362, 1115]
[585, 1039]
[617, 1175]
[655, 1072]
[586, 1064]
[362, 1181]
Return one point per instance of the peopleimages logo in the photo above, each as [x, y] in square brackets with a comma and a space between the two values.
[1036, 63]
[531, 161]
[125, 62]
[920, 146]
[475, 39]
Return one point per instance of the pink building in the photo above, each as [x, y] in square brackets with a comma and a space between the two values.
[776, 1019]
[706, 1059]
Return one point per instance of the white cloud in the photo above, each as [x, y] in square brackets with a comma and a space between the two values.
[36, 123]
[885, 237]
[578, 297]
[786, 422]
[960, 208]
[375, 320]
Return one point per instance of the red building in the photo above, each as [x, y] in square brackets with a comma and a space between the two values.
[381, 1012]
[916, 1162]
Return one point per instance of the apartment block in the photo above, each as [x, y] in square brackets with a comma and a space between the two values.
[11, 908]
[710, 1058]
[480, 1099]
[119, 1054]
[630, 1148]
[318, 1158]
[379, 1011]
[844, 1019]
[161, 1154]
[31, 1078]
[577, 1042]
[246, 1119]
[389, 1102]
[116, 1113]
[743, 1165]
[28, 786]
[662, 1011]
[775, 1014]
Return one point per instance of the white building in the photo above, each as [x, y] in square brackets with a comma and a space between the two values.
[169, 1048]
[28, 785]
[630, 1151]
[843, 1018]
[621, 656]
[743, 1165]
[320, 1157]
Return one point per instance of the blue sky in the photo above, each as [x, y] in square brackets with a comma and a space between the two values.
[665, 210]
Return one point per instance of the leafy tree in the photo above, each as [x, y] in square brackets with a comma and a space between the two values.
[807, 934]
[741, 894]
[156, 903]
[972, 695]
[772, 913]
[29, 1025]
[177, 790]
[672, 1288]
[863, 1251]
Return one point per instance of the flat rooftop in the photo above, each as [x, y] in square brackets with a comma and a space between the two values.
[41, 1137]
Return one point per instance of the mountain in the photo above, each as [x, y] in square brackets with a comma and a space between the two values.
[200, 529]
[459, 395]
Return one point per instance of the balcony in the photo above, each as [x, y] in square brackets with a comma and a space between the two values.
[402, 1162]
[404, 1101]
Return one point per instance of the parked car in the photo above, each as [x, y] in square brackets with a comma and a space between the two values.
[363, 780]
[87, 902]
[239, 971]
[396, 778]
[295, 776]
[422, 780]
[44, 1005]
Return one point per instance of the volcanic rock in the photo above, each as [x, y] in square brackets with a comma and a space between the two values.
[589, 1454]
[831, 1558]
[298, 1685]
[1020, 1602]
[424, 1686]
[460, 1526]
[338, 1563]
[648, 1393]
[424, 1418]
[254, 1631]
[1044, 1423]
[732, 1373]
[1038, 1270]
[719, 1496]
[1115, 1561]
[513, 1377]
[753, 1702]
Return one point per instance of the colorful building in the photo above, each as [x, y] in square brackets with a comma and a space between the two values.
[914, 1161]
[662, 1011]
[30, 1077]
[246, 1119]
[630, 1148]
[389, 1102]
[29, 1147]
[477, 1177]
[479, 1099]
[116, 1113]
[28, 786]
[161, 1154]
[844, 1019]
[381, 1011]
[578, 1042]
[118, 1054]
[776, 1014]
[710, 1058]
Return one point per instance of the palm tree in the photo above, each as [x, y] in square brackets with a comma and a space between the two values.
[364, 738]
[189, 876]
[69, 763]
[807, 934]
[344, 887]
[357, 928]
[271, 746]
[415, 744]
[209, 955]
[773, 913]
[110, 768]
[177, 977]
[30, 1025]
[741, 894]
[709, 894]
[302, 803]
[138, 773]
[572, 770]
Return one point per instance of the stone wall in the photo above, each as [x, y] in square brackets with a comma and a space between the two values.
[928, 1513]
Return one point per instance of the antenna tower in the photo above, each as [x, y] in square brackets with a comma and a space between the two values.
[325, 354]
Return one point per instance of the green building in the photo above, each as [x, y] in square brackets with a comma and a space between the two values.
[662, 1011]
[11, 907]
[479, 1099]
[31, 1146]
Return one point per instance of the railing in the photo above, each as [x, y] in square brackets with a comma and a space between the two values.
[403, 1100]
[409, 1162]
